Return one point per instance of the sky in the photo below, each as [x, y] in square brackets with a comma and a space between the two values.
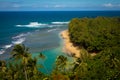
[59, 5]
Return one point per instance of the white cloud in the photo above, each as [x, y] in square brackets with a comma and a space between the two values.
[16, 6]
[108, 5]
[111, 5]
[54, 6]
[59, 6]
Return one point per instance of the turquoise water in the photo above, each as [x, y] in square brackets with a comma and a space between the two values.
[39, 31]
[50, 56]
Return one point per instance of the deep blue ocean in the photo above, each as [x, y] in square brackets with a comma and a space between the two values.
[39, 30]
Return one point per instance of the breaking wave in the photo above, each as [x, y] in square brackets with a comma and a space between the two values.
[51, 30]
[59, 23]
[8, 46]
[19, 41]
[5, 47]
[2, 51]
[19, 36]
[15, 40]
[33, 25]
[42, 25]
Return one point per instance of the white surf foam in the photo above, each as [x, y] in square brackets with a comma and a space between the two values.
[59, 23]
[4, 48]
[19, 36]
[51, 30]
[19, 25]
[8, 46]
[16, 40]
[33, 25]
[55, 25]
[19, 41]
[41, 25]
[2, 51]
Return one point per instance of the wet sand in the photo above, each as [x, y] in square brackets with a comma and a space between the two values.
[69, 48]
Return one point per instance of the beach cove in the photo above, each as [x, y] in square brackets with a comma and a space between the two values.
[40, 32]
[68, 47]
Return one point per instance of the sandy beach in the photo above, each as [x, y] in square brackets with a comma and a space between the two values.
[69, 48]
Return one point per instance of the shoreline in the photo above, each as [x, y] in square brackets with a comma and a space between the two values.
[68, 46]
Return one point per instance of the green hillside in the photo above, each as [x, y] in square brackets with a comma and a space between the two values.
[100, 35]
[95, 34]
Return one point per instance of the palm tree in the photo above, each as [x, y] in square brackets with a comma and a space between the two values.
[32, 68]
[80, 66]
[3, 69]
[20, 52]
[43, 57]
[14, 71]
[61, 62]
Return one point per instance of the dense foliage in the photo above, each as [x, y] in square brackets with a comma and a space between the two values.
[21, 66]
[95, 34]
[101, 35]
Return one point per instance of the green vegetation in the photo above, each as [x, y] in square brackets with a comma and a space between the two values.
[95, 34]
[99, 35]
[21, 66]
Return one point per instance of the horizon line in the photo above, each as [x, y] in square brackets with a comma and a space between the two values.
[54, 10]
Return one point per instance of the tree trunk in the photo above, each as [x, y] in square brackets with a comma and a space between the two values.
[26, 78]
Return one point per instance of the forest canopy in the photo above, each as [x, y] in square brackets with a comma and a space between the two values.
[95, 34]
[99, 34]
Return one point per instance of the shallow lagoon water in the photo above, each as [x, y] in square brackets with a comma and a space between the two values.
[51, 52]
[39, 31]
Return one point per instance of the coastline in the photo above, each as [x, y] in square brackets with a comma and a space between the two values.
[68, 46]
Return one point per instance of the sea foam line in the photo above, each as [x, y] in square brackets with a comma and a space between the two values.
[59, 23]
[5, 47]
[16, 40]
[19, 36]
[42, 25]
[8, 46]
[2, 51]
[33, 25]
[51, 30]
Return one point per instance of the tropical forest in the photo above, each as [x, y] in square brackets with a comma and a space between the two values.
[100, 35]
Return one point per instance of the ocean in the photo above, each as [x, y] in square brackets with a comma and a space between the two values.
[39, 30]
